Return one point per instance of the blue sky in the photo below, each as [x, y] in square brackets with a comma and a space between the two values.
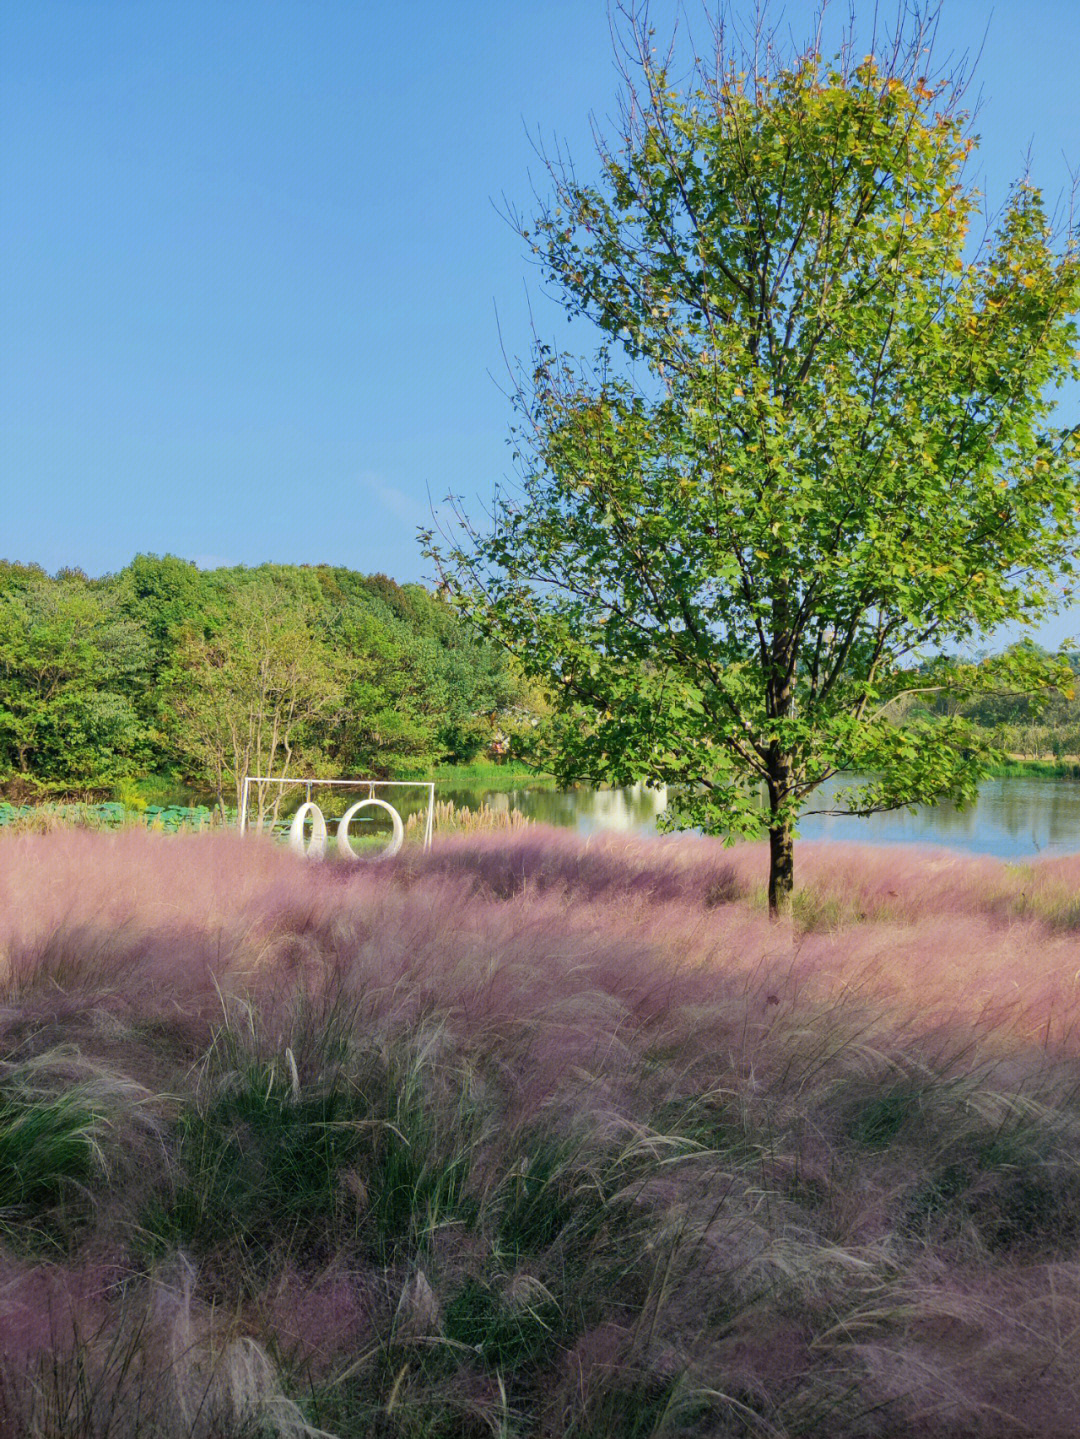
[251, 260]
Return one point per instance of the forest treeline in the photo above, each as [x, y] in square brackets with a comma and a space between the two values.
[198, 676]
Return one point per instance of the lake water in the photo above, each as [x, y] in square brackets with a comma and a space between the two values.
[1015, 817]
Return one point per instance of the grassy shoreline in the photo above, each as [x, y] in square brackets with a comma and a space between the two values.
[165, 792]
[495, 775]
[153, 804]
[1049, 768]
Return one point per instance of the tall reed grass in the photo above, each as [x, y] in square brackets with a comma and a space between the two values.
[450, 818]
[534, 1136]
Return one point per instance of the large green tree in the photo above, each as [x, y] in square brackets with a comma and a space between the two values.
[817, 442]
[396, 693]
[72, 665]
[419, 689]
[251, 698]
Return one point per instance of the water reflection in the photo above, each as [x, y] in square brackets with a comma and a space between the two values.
[633, 810]
[1014, 817]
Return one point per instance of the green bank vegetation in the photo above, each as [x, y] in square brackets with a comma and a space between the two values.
[1039, 733]
[159, 685]
[163, 675]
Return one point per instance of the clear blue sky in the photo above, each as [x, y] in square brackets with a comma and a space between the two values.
[250, 261]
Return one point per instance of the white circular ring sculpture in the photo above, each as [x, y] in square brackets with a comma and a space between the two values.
[315, 848]
[397, 838]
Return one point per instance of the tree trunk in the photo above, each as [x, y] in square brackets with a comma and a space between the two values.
[779, 765]
[781, 870]
[781, 844]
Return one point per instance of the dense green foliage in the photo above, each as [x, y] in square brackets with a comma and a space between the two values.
[1038, 727]
[166, 669]
[817, 444]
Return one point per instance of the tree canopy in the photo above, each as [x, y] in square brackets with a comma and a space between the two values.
[816, 443]
[198, 675]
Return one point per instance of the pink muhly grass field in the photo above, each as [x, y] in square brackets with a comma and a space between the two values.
[557, 1135]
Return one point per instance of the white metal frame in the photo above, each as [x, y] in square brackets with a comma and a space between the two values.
[371, 785]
